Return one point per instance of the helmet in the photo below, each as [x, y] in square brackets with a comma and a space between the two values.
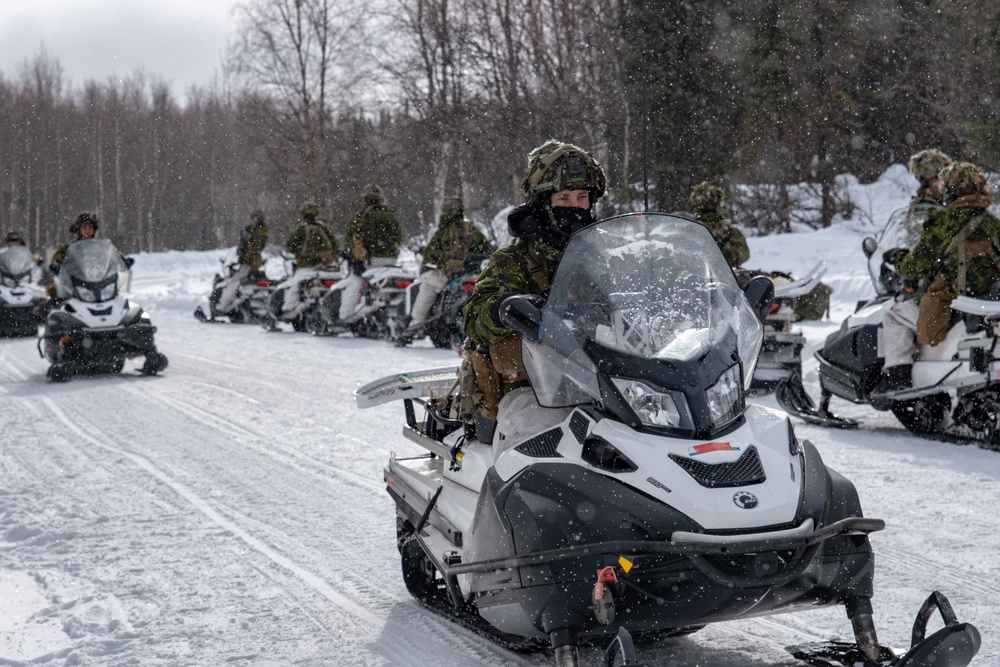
[556, 166]
[309, 210]
[373, 194]
[258, 216]
[14, 237]
[963, 178]
[452, 210]
[81, 219]
[927, 164]
[704, 197]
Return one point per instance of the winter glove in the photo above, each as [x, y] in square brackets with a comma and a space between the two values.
[504, 310]
[894, 255]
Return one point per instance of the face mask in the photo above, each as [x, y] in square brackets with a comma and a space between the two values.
[570, 220]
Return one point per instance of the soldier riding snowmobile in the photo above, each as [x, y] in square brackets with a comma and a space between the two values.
[655, 499]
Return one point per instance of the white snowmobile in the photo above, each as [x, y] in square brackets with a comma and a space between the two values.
[239, 294]
[298, 294]
[96, 329]
[379, 308]
[23, 301]
[657, 500]
[444, 324]
[781, 354]
[955, 391]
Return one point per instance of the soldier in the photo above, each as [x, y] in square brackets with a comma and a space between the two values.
[455, 239]
[84, 226]
[705, 202]
[926, 166]
[315, 247]
[957, 254]
[561, 186]
[248, 255]
[14, 239]
[372, 238]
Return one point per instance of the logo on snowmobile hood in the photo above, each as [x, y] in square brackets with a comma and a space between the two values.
[745, 500]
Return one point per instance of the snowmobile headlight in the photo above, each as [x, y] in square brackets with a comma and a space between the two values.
[85, 294]
[652, 406]
[107, 292]
[725, 397]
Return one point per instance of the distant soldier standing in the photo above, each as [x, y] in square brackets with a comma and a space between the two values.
[705, 202]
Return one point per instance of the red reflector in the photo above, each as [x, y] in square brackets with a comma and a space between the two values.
[329, 283]
[774, 307]
[263, 283]
[403, 283]
[713, 447]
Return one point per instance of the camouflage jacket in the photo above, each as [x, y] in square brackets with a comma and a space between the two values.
[453, 241]
[932, 254]
[523, 267]
[251, 245]
[378, 231]
[727, 236]
[312, 244]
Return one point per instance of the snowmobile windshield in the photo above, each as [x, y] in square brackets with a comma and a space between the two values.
[644, 309]
[90, 270]
[902, 230]
[16, 265]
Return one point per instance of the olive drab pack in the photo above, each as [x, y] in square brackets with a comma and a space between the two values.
[815, 304]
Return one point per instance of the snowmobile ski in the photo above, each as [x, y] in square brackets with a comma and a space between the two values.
[792, 398]
[955, 645]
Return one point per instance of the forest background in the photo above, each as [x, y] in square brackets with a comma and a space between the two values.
[431, 98]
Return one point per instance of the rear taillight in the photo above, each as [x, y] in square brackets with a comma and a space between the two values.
[774, 307]
[469, 284]
[263, 283]
[403, 284]
[329, 283]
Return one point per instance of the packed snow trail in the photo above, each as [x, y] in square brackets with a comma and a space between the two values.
[232, 510]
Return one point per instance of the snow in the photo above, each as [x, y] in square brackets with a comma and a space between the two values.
[232, 511]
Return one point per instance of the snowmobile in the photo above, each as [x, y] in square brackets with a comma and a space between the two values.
[24, 303]
[781, 354]
[657, 500]
[96, 329]
[292, 298]
[444, 324]
[955, 391]
[248, 303]
[379, 310]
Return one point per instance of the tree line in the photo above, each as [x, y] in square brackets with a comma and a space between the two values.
[432, 98]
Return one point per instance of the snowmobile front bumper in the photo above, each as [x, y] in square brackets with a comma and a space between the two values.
[21, 320]
[88, 350]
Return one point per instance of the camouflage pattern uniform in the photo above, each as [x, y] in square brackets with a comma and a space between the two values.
[455, 239]
[374, 231]
[705, 202]
[925, 165]
[252, 242]
[82, 219]
[313, 243]
[958, 253]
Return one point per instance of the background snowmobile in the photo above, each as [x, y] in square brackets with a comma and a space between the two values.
[311, 284]
[445, 325]
[955, 390]
[658, 501]
[96, 329]
[249, 303]
[781, 354]
[379, 311]
[23, 301]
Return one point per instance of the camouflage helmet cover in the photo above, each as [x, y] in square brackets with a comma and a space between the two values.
[555, 166]
[81, 219]
[705, 197]
[309, 210]
[927, 164]
[373, 194]
[14, 237]
[452, 210]
[964, 178]
[258, 215]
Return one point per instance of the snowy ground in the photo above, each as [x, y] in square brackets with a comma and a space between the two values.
[232, 510]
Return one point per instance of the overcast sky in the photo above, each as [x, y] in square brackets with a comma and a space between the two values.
[182, 41]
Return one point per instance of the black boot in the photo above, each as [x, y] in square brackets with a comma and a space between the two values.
[896, 378]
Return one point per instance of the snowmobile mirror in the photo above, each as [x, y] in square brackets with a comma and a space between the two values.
[760, 294]
[869, 246]
[128, 261]
[523, 316]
